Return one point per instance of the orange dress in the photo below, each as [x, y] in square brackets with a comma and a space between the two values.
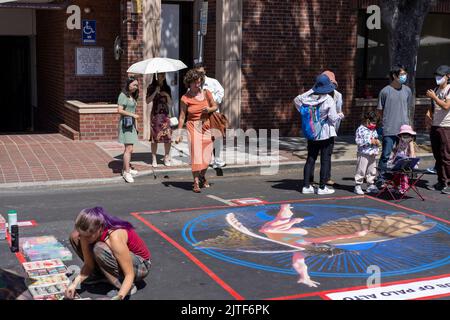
[199, 133]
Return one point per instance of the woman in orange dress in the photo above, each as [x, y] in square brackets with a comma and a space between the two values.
[197, 104]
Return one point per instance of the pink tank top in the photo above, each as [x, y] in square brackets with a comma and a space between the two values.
[135, 243]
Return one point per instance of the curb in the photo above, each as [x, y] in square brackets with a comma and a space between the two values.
[185, 172]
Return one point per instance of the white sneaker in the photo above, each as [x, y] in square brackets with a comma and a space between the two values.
[219, 164]
[358, 190]
[133, 172]
[309, 190]
[372, 189]
[128, 177]
[154, 164]
[167, 163]
[325, 190]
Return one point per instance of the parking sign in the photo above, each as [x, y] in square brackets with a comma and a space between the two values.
[89, 32]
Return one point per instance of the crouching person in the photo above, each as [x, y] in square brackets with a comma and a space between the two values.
[111, 251]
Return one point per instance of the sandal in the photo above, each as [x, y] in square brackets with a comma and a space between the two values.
[196, 188]
[204, 183]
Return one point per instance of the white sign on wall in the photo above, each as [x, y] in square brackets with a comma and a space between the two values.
[89, 61]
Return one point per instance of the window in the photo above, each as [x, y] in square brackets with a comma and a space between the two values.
[373, 52]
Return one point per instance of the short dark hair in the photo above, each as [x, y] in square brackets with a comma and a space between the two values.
[395, 70]
[370, 116]
[199, 65]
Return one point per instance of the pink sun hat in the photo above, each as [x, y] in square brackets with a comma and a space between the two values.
[407, 129]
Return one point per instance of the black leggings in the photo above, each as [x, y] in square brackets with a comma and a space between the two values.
[325, 147]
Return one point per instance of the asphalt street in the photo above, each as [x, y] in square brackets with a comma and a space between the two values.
[173, 220]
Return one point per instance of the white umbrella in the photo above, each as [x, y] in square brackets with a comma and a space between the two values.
[156, 65]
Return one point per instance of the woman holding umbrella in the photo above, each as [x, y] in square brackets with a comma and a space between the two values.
[160, 94]
[196, 105]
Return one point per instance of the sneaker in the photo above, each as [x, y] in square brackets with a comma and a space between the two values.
[154, 164]
[431, 170]
[309, 190]
[167, 163]
[372, 189]
[436, 187]
[219, 164]
[358, 190]
[325, 190]
[330, 183]
[128, 177]
[445, 190]
[133, 172]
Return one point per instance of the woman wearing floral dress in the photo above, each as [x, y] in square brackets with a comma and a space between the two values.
[159, 93]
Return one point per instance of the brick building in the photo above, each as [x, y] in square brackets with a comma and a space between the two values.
[264, 52]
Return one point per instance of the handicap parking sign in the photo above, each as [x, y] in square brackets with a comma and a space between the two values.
[89, 32]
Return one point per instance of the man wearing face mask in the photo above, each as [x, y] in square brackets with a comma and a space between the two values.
[439, 116]
[394, 103]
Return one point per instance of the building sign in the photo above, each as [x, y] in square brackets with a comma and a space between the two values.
[204, 18]
[89, 61]
[89, 32]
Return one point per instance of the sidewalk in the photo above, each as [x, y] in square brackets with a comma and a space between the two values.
[52, 159]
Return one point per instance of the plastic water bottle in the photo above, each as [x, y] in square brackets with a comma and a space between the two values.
[15, 238]
[12, 219]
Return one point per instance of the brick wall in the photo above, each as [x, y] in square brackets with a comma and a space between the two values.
[99, 126]
[209, 55]
[133, 45]
[285, 45]
[94, 88]
[50, 27]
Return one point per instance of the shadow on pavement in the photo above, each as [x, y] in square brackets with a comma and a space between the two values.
[178, 184]
[12, 286]
[287, 184]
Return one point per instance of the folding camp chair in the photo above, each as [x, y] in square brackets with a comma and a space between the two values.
[405, 167]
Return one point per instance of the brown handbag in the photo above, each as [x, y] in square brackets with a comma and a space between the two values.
[217, 121]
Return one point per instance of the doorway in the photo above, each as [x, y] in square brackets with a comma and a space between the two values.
[15, 88]
[177, 24]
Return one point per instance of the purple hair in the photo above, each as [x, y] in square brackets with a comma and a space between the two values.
[91, 219]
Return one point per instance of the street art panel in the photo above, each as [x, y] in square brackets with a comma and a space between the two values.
[312, 241]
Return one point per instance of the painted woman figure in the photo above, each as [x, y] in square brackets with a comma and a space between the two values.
[111, 250]
[160, 94]
[283, 225]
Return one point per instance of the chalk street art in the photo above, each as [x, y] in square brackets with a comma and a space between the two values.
[312, 240]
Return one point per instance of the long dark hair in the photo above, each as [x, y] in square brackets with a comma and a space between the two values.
[155, 83]
[126, 90]
[91, 220]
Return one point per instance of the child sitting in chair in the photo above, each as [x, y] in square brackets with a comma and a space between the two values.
[405, 148]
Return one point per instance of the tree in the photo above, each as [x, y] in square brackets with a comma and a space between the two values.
[404, 20]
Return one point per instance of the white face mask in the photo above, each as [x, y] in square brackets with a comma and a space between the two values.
[440, 80]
